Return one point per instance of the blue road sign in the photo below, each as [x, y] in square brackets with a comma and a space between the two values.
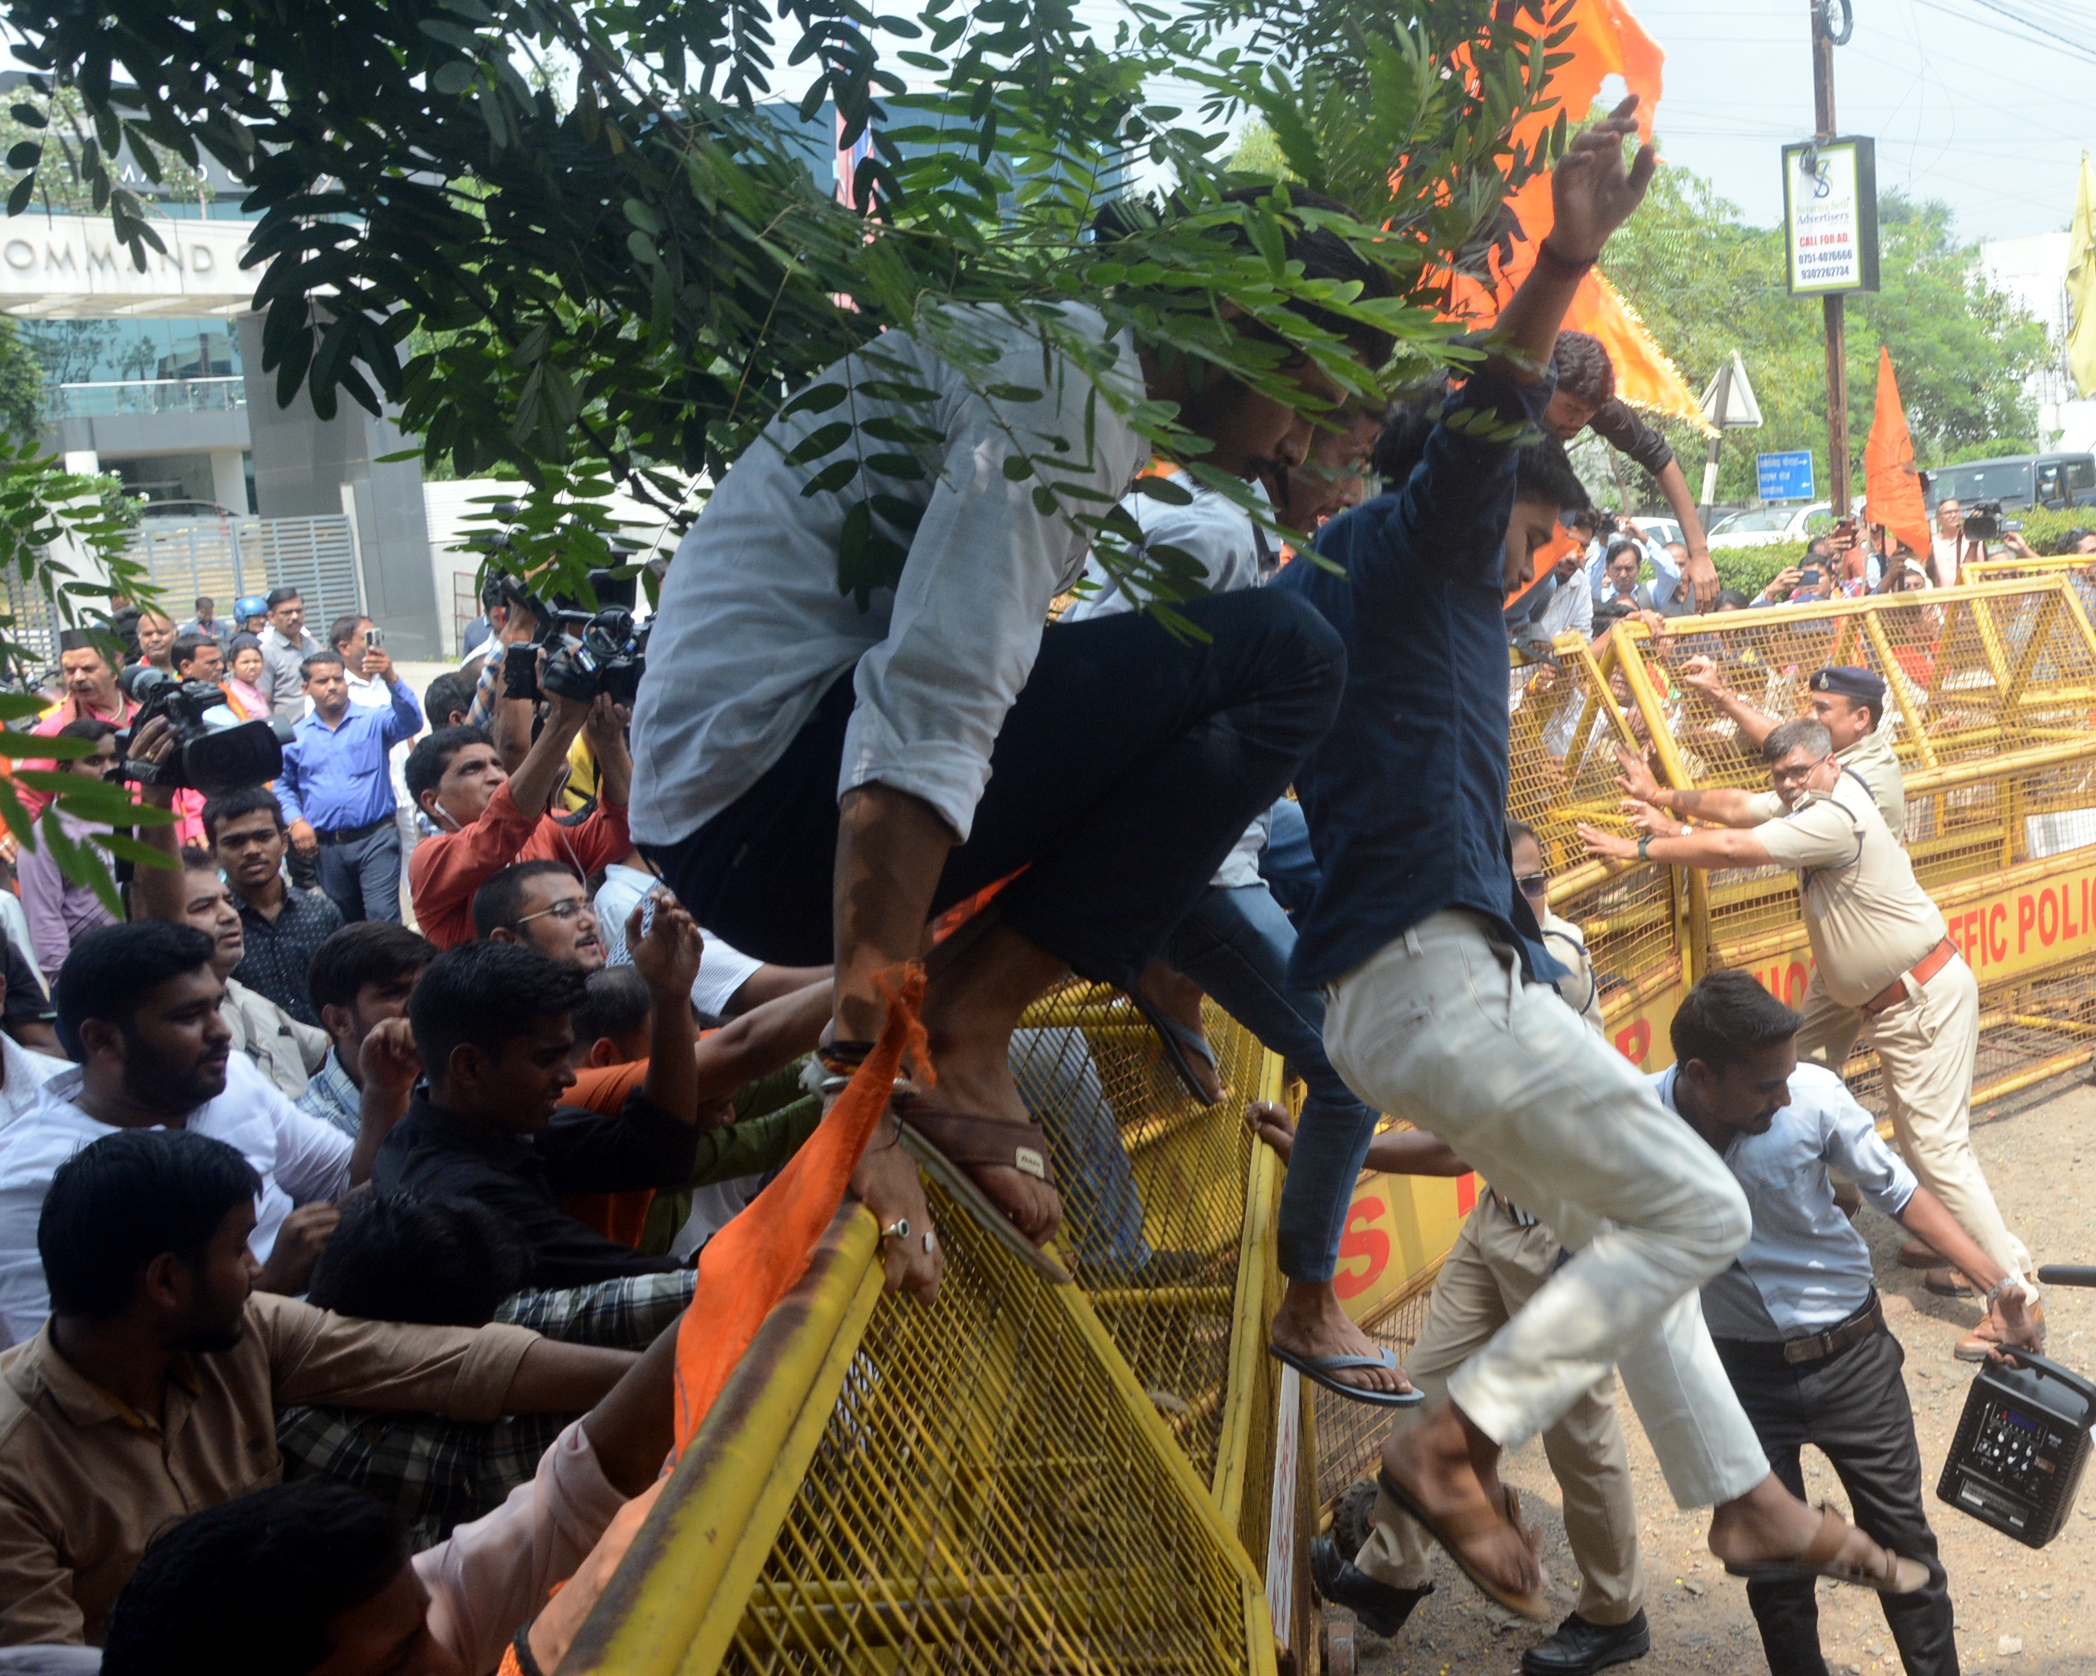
[1786, 476]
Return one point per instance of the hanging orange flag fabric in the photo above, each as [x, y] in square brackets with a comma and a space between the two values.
[746, 1268]
[1892, 491]
[1606, 40]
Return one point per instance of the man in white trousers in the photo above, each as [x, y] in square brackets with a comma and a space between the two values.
[1426, 954]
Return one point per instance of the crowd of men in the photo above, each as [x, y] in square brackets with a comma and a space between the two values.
[342, 1260]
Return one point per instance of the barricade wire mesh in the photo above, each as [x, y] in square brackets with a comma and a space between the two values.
[989, 1497]
[1153, 1190]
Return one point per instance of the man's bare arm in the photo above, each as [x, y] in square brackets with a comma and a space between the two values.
[762, 1040]
[557, 1378]
[1724, 805]
[1700, 675]
[1705, 847]
[1700, 573]
[768, 983]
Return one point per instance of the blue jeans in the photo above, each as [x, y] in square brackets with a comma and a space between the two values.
[1059, 1081]
[1235, 944]
[1286, 864]
[363, 879]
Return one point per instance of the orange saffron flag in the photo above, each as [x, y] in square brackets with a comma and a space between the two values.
[1606, 40]
[1891, 488]
[746, 1268]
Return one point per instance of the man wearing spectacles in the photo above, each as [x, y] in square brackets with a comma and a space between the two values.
[1884, 968]
[544, 904]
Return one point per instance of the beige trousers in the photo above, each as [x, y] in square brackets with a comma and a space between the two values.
[1440, 1028]
[1927, 1045]
[1497, 1266]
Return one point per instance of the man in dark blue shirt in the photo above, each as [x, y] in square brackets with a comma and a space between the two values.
[1426, 953]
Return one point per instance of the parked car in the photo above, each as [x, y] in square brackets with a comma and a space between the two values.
[2018, 481]
[1661, 530]
[1766, 526]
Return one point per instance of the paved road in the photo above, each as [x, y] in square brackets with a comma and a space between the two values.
[2042, 1163]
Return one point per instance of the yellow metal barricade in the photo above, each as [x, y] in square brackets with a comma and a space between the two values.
[1086, 1461]
[1029, 1474]
[1991, 691]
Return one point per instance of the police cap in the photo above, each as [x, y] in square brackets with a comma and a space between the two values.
[1858, 685]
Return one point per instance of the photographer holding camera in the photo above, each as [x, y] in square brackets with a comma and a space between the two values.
[487, 818]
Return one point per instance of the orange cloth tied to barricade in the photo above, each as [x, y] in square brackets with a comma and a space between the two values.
[746, 1268]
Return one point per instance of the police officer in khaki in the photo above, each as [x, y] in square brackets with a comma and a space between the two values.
[1499, 1261]
[1882, 965]
[1848, 702]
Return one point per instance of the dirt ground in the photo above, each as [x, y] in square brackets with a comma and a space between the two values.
[2018, 1610]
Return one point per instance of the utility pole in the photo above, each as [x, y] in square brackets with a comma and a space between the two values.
[1837, 355]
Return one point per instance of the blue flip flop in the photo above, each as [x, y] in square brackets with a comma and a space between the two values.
[1320, 1369]
[1178, 1041]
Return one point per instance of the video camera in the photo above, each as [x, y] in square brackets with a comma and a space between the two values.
[587, 652]
[1984, 522]
[215, 752]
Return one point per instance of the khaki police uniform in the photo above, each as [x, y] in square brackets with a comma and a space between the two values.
[1871, 926]
[1499, 1261]
[1872, 760]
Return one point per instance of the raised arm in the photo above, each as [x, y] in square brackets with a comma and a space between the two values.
[1701, 675]
[1591, 194]
[667, 958]
[532, 784]
[1720, 805]
[157, 892]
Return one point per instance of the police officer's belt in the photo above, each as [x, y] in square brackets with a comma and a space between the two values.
[1924, 969]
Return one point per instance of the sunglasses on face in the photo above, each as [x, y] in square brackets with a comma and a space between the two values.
[1534, 884]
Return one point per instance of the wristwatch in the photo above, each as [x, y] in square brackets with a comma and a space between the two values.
[1644, 846]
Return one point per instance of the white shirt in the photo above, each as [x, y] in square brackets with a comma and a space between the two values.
[1233, 552]
[722, 969]
[751, 629]
[1571, 607]
[27, 1073]
[299, 1159]
[1804, 1267]
[14, 919]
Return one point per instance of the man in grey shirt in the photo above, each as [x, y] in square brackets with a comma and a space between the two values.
[1796, 1319]
[286, 645]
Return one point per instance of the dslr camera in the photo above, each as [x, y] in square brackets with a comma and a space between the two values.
[215, 752]
[1984, 522]
[587, 652]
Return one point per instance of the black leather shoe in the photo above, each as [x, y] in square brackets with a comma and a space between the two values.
[1579, 1648]
[1381, 1607]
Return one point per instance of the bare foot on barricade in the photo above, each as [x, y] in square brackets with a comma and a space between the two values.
[972, 1003]
[1444, 1473]
[1769, 1535]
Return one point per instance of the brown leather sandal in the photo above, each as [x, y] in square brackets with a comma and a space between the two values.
[1449, 1530]
[972, 1138]
[1891, 1574]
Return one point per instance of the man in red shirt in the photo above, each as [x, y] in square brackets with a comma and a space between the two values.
[91, 695]
[489, 818]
